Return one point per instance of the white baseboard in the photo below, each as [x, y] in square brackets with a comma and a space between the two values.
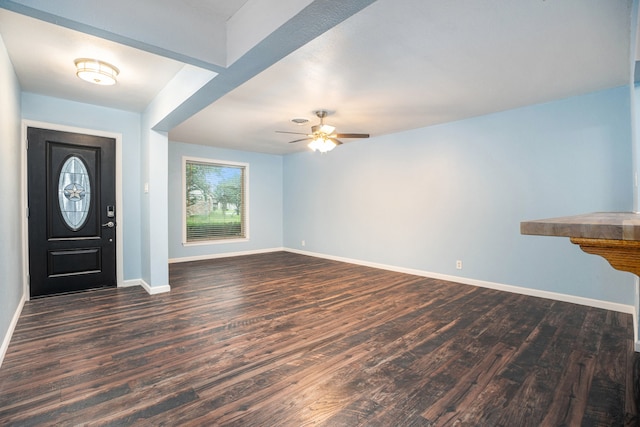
[130, 283]
[151, 290]
[12, 326]
[224, 255]
[622, 308]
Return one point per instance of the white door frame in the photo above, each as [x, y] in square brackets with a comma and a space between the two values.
[25, 224]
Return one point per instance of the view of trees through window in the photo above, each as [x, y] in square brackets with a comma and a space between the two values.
[215, 207]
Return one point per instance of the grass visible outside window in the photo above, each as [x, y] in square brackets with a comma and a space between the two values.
[215, 200]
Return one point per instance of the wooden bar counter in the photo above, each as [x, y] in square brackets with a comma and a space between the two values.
[612, 235]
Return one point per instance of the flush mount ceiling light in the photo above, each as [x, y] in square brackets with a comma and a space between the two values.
[95, 71]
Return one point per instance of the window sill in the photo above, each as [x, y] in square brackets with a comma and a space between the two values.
[215, 242]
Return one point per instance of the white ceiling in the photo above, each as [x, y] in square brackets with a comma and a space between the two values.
[391, 66]
[43, 57]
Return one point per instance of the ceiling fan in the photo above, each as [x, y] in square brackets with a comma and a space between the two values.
[323, 137]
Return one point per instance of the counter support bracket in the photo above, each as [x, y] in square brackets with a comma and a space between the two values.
[623, 255]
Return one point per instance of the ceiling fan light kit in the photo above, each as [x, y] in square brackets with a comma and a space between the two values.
[322, 145]
[322, 136]
[326, 129]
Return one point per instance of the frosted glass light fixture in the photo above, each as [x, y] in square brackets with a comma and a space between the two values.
[96, 71]
[322, 144]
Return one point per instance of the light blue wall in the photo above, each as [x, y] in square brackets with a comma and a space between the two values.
[11, 210]
[155, 270]
[145, 211]
[265, 200]
[425, 198]
[69, 113]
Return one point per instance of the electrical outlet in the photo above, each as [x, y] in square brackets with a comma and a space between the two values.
[459, 265]
[303, 243]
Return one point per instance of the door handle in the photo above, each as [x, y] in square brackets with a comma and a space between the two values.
[109, 224]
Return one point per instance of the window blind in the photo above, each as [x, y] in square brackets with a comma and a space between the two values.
[215, 201]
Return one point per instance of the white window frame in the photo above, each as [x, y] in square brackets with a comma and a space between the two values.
[214, 162]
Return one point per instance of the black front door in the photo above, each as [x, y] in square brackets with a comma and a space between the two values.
[72, 212]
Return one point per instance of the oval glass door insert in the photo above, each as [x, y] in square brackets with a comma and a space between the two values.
[74, 193]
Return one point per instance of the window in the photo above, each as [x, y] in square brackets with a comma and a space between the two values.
[215, 201]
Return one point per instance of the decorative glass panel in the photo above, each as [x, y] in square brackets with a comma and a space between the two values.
[74, 192]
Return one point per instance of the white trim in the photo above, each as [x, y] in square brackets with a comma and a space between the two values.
[12, 326]
[622, 308]
[224, 255]
[119, 205]
[152, 290]
[246, 209]
[213, 242]
[130, 283]
[24, 202]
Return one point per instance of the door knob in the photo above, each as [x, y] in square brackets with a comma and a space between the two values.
[109, 224]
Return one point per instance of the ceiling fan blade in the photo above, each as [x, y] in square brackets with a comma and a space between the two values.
[295, 133]
[352, 135]
[337, 141]
[298, 140]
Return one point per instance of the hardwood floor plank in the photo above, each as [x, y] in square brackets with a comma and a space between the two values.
[453, 404]
[570, 398]
[607, 397]
[281, 339]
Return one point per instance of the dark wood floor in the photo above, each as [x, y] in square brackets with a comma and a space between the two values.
[282, 339]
